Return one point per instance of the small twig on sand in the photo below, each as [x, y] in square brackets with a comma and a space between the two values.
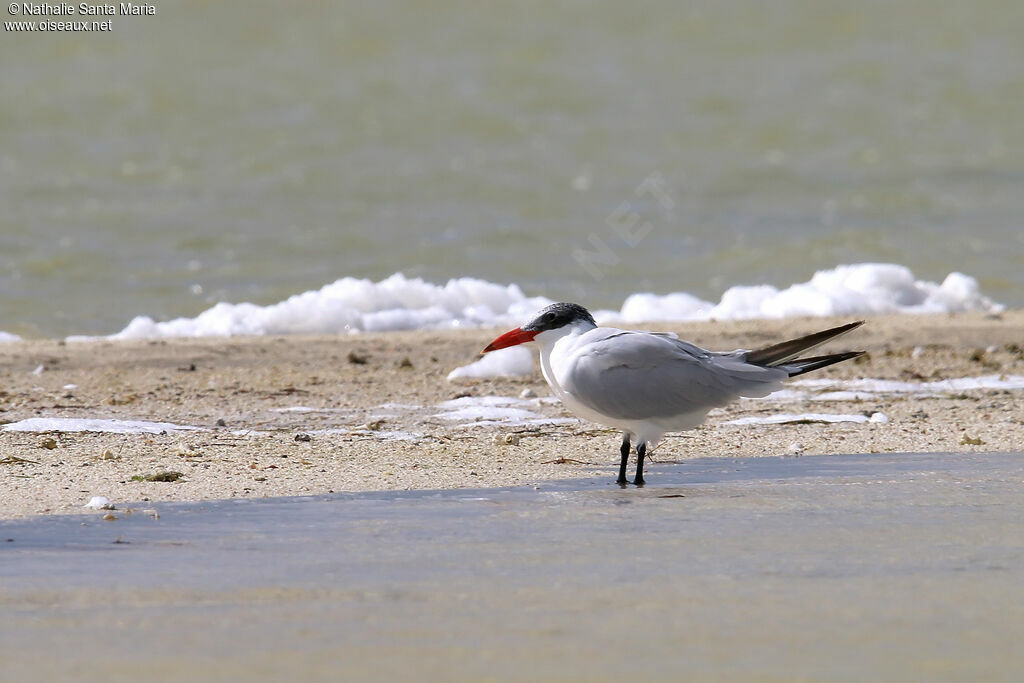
[593, 432]
[15, 460]
[566, 461]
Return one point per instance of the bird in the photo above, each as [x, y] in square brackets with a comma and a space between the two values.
[647, 384]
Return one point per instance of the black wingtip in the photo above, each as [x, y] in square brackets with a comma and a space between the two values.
[781, 353]
[799, 367]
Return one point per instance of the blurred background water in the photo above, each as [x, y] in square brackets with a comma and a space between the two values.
[248, 151]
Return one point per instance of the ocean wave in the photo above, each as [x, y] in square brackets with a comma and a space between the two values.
[402, 303]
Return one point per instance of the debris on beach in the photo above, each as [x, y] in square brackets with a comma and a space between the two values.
[99, 503]
[566, 461]
[121, 400]
[165, 475]
[810, 418]
[15, 460]
[971, 441]
[187, 450]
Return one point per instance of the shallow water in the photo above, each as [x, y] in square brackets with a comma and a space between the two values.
[855, 567]
[237, 151]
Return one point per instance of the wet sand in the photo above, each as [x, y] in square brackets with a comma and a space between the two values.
[369, 403]
[842, 568]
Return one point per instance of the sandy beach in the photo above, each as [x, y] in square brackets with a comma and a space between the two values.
[298, 415]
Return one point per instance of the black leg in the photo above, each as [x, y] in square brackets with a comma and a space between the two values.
[625, 458]
[641, 451]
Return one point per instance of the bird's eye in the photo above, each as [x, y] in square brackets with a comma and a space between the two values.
[548, 317]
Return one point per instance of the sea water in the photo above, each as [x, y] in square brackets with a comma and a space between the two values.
[896, 566]
[243, 152]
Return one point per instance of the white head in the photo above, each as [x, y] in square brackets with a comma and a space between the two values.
[551, 324]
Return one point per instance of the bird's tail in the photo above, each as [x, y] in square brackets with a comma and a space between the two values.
[802, 365]
[784, 354]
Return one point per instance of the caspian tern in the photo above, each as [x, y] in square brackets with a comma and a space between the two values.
[650, 383]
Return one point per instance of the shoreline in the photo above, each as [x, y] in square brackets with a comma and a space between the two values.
[370, 406]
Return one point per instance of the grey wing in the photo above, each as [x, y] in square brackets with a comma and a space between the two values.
[635, 375]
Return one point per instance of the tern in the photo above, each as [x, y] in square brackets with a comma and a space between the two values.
[649, 383]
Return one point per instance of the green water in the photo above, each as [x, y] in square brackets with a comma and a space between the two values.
[247, 150]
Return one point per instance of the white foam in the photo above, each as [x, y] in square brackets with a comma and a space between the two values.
[393, 435]
[490, 413]
[67, 424]
[795, 395]
[382, 434]
[506, 411]
[8, 337]
[887, 386]
[526, 422]
[401, 303]
[845, 290]
[487, 402]
[515, 361]
[787, 418]
[864, 389]
[99, 503]
[353, 305]
[401, 407]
